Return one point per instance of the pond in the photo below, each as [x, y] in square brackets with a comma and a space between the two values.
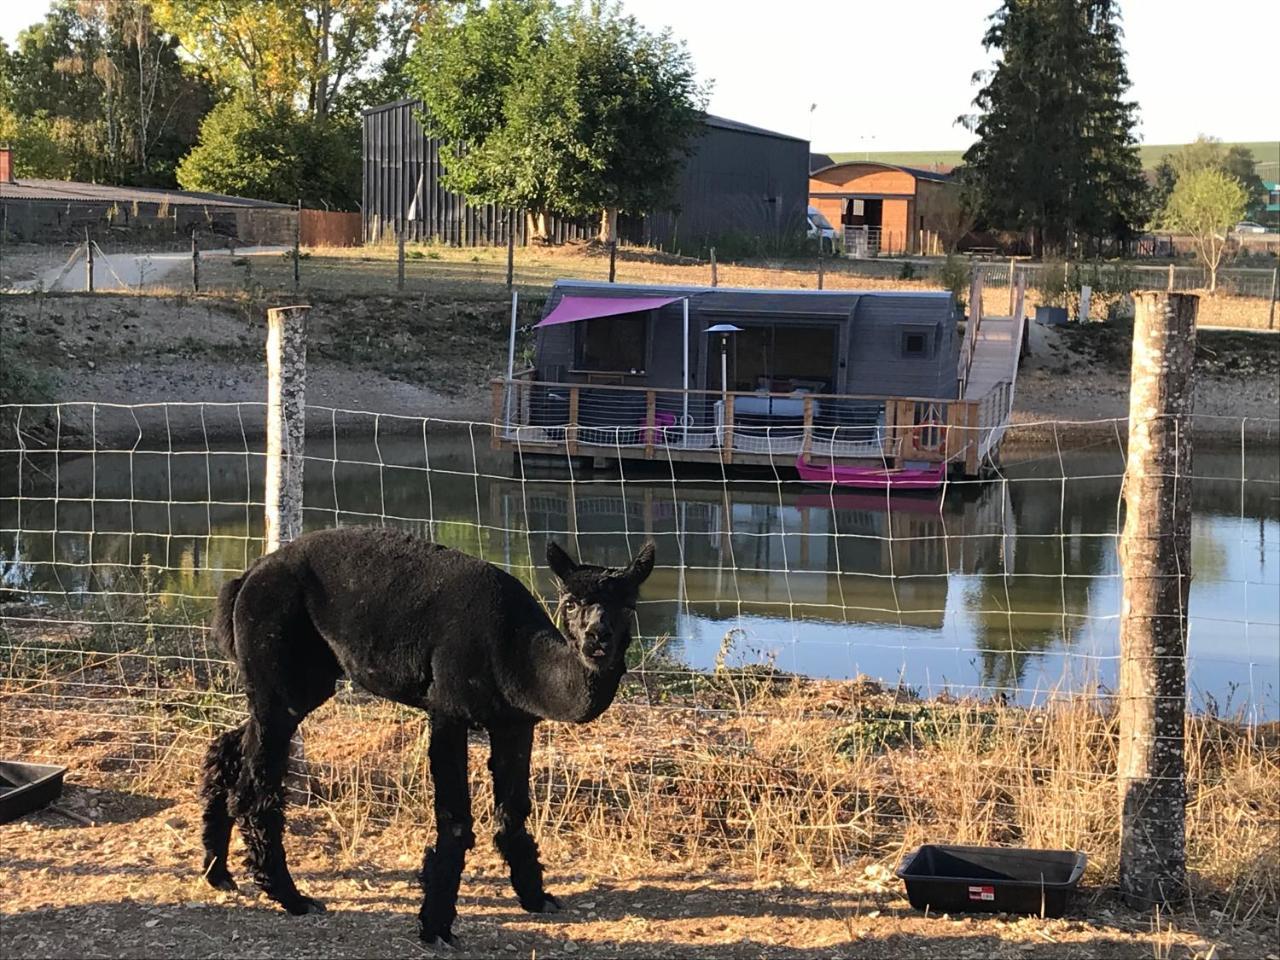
[1011, 585]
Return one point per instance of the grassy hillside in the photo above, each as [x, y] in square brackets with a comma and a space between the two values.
[1264, 152]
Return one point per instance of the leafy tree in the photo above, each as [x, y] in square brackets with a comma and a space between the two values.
[98, 81]
[1056, 153]
[37, 151]
[572, 110]
[297, 53]
[1206, 203]
[271, 152]
[399, 23]
[1208, 153]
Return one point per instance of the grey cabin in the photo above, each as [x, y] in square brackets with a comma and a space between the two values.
[718, 373]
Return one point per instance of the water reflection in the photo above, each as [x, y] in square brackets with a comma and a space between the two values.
[1013, 585]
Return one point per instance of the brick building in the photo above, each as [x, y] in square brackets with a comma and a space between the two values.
[903, 208]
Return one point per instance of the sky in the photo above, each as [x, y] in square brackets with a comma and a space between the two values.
[894, 76]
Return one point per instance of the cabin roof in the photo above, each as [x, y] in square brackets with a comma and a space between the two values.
[600, 288]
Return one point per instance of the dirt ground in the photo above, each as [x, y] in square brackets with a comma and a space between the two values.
[434, 358]
[129, 886]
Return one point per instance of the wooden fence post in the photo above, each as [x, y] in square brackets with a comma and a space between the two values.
[88, 262]
[286, 415]
[1155, 553]
[511, 248]
[714, 279]
[613, 260]
[1271, 317]
[820, 264]
[195, 262]
[297, 247]
[400, 256]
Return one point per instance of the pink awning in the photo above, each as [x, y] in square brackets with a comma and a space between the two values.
[571, 309]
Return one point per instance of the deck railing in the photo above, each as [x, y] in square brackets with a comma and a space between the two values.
[621, 420]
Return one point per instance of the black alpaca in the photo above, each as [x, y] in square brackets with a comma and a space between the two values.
[426, 626]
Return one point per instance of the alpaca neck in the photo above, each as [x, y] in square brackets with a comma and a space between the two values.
[557, 685]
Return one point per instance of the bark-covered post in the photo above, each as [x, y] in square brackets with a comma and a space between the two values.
[821, 278]
[714, 278]
[286, 418]
[613, 260]
[88, 262]
[1155, 553]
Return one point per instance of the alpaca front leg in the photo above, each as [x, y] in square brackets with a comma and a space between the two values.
[509, 752]
[442, 865]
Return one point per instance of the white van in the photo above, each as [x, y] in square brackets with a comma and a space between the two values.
[820, 229]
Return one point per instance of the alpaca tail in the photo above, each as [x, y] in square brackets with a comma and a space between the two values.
[224, 631]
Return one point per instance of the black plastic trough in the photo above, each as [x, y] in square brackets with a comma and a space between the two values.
[27, 786]
[951, 879]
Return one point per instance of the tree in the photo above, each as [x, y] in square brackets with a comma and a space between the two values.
[299, 53]
[1207, 153]
[1206, 203]
[1056, 153]
[271, 152]
[108, 89]
[544, 108]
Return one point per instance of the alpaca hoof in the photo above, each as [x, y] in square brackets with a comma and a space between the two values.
[437, 938]
[221, 881]
[303, 906]
[548, 904]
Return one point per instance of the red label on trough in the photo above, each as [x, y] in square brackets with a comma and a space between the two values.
[982, 893]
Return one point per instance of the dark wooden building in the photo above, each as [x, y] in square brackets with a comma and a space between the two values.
[739, 182]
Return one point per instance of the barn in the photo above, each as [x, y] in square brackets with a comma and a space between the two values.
[742, 186]
[894, 209]
[740, 182]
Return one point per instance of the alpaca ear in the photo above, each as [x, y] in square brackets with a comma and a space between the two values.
[637, 572]
[561, 563]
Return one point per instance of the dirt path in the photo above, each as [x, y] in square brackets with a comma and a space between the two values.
[129, 887]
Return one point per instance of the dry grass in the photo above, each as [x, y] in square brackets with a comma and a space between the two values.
[760, 772]
[742, 779]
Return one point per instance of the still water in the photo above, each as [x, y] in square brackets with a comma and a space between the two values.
[1011, 585]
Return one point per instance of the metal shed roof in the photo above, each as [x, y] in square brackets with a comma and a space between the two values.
[725, 124]
[70, 191]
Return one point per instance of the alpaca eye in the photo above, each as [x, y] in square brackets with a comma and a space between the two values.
[570, 606]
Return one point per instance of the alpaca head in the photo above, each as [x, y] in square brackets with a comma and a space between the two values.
[597, 603]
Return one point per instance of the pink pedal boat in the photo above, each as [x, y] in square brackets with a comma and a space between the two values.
[872, 478]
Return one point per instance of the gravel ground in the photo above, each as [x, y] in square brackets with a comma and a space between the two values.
[128, 886]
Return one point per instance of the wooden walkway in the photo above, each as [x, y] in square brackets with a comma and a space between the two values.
[995, 357]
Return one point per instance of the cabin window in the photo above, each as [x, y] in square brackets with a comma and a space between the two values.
[616, 344]
[915, 344]
[779, 358]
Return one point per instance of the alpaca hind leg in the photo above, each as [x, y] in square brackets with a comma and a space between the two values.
[258, 806]
[442, 865]
[509, 751]
[221, 774]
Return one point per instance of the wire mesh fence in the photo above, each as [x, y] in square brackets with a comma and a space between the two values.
[251, 250]
[816, 673]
